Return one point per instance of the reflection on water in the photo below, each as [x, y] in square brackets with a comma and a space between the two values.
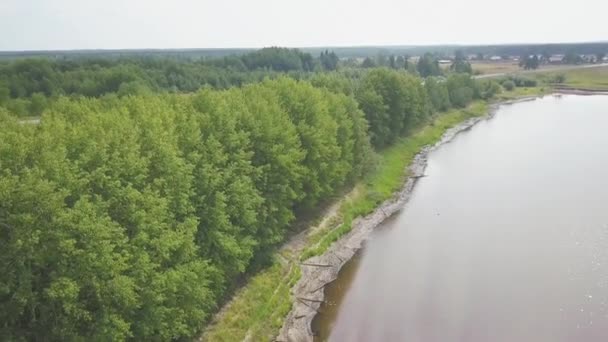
[505, 240]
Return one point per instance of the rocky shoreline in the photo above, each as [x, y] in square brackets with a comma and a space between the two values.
[321, 270]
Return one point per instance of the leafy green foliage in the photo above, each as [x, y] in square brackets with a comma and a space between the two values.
[130, 212]
[329, 60]
[487, 89]
[279, 59]
[438, 94]
[508, 85]
[572, 57]
[428, 65]
[462, 89]
[368, 63]
[460, 64]
[520, 81]
[392, 101]
[529, 62]
[128, 218]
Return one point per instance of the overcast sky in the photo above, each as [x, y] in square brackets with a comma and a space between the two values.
[111, 24]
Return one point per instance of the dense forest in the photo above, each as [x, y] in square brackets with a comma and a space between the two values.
[26, 85]
[131, 209]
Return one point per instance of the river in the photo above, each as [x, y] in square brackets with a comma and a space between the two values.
[505, 239]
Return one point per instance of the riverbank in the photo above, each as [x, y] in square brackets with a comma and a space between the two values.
[257, 311]
[431, 261]
[323, 267]
[293, 286]
[579, 91]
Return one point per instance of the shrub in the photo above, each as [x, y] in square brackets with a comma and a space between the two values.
[508, 85]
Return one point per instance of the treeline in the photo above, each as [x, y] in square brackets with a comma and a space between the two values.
[342, 52]
[394, 102]
[26, 85]
[129, 218]
[96, 77]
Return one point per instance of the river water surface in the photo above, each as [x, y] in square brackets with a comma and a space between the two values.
[506, 239]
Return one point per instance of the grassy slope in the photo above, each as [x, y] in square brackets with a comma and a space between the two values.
[486, 67]
[585, 78]
[595, 78]
[257, 310]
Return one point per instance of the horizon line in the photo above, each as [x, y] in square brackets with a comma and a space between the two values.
[300, 47]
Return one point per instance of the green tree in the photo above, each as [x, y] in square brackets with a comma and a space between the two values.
[508, 85]
[572, 57]
[5, 93]
[392, 102]
[401, 62]
[529, 62]
[428, 65]
[329, 60]
[438, 94]
[392, 62]
[460, 63]
[462, 89]
[368, 63]
[38, 103]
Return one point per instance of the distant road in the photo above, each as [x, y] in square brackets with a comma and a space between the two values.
[541, 70]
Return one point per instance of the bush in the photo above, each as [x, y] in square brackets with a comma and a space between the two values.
[488, 89]
[559, 78]
[527, 82]
[461, 97]
[462, 89]
[508, 85]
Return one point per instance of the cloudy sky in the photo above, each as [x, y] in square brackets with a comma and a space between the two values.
[107, 24]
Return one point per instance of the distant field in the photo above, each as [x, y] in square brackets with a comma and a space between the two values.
[485, 67]
[581, 76]
[596, 78]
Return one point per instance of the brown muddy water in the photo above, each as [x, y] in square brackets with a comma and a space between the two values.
[506, 239]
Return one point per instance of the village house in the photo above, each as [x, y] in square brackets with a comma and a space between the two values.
[554, 59]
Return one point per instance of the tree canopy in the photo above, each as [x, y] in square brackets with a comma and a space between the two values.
[130, 217]
[428, 65]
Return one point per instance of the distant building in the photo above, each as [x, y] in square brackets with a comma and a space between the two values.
[495, 58]
[589, 58]
[445, 61]
[556, 58]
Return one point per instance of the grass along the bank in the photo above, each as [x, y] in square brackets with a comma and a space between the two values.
[591, 78]
[257, 311]
[520, 92]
